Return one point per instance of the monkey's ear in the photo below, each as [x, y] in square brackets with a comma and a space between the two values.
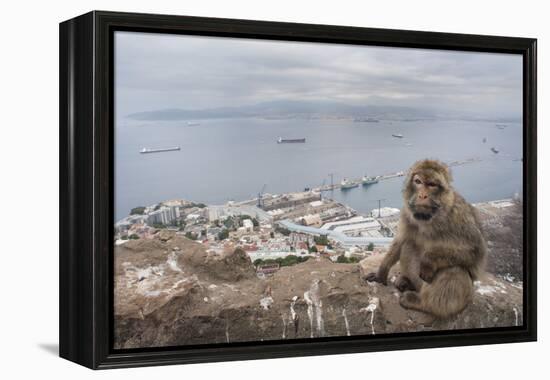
[447, 173]
[408, 187]
[441, 168]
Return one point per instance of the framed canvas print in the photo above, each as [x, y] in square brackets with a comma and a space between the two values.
[237, 189]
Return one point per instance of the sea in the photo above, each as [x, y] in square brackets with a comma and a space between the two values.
[233, 159]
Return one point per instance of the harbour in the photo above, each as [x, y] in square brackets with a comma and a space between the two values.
[224, 160]
[348, 184]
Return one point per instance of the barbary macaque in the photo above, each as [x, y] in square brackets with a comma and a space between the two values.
[439, 244]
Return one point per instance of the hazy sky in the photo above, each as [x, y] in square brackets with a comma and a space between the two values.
[156, 71]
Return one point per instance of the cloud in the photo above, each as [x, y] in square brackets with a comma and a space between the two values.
[155, 71]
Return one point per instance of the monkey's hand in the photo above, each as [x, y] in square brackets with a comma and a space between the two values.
[374, 277]
[427, 270]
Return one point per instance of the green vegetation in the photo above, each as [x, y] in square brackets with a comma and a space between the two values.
[347, 260]
[133, 237]
[140, 210]
[159, 225]
[312, 249]
[370, 247]
[282, 261]
[282, 230]
[321, 240]
[193, 204]
[190, 235]
[124, 237]
[224, 234]
[228, 223]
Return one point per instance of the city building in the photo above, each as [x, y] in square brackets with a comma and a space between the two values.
[311, 220]
[164, 215]
[356, 226]
[248, 225]
[289, 200]
[295, 238]
[231, 209]
[384, 212]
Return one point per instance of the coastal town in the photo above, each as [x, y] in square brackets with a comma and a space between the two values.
[275, 230]
[279, 261]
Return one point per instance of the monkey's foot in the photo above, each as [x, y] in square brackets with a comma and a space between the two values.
[427, 271]
[373, 277]
[403, 284]
[410, 300]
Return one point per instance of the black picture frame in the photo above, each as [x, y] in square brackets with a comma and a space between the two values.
[86, 187]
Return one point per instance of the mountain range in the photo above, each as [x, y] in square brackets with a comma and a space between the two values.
[282, 109]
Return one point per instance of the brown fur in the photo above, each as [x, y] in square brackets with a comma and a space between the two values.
[440, 245]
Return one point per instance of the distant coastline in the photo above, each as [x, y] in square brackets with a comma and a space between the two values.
[285, 110]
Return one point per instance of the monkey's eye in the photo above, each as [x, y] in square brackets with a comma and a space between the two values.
[417, 181]
[432, 184]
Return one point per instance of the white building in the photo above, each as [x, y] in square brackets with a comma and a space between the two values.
[248, 225]
[164, 215]
[297, 237]
[232, 209]
[311, 220]
[356, 226]
[384, 212]
[264, 255]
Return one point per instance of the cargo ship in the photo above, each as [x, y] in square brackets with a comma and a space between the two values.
[280, 140]
[158, 150]
[366, 120]
[369, 180]
[494, 150]
[398, 135]
[345, 184]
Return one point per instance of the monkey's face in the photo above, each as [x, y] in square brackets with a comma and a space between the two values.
[426, 191]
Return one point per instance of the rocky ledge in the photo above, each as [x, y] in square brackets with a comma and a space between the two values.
[170, 291]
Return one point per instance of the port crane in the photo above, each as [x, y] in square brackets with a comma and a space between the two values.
[379, 205]
[260, 194]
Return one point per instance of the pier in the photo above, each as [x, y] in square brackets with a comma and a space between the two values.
[358, 181]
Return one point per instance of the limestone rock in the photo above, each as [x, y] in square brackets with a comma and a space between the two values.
[165, 296]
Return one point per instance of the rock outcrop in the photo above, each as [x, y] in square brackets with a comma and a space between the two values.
[170, 291]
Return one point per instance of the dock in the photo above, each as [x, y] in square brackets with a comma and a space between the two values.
[358, 181]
